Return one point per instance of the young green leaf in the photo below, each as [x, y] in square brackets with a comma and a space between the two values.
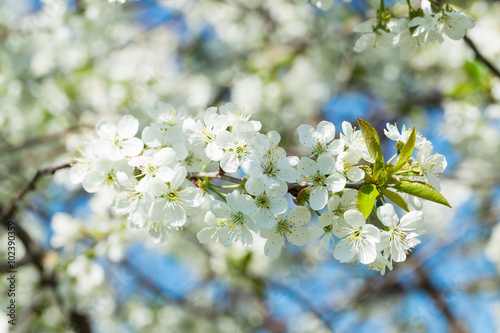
[395, 198]
[366, 199]
[373, 144]
[406, 152]
[421, 190]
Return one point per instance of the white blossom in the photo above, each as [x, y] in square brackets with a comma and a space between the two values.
[322, 176]
[358, 239]
[402, 234]
[322, 140]
[118, 141]
[291, 229]
[229, 222]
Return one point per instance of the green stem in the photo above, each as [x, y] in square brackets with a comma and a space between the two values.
[389, 161]
[227, 186]
[216, 191]
[410, 8]
[381, 10]
[374, 213]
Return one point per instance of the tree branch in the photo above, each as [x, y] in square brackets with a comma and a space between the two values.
[9, 210]
[480, 57]
[34, 252]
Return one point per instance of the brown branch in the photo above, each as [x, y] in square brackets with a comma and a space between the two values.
[34, 252]
[9, 210]
[480, 56]
[425, 283]
[6, 149]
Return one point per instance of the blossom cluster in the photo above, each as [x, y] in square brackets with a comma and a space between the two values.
[423, 27]
[163, 179]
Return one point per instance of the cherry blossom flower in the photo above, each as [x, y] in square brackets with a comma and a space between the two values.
[206, 132]
[402, 234]
[104, 174]
[171, 200]
[322, 140]
[291, 229]
[229, 222]
[353, 140]
[337, 206]
[237, 144]
[154, 167]
[267, 202]
[431, 165]
[322, 176]
[346, 165]
[358, 239]
[273, 169]
[118, 141]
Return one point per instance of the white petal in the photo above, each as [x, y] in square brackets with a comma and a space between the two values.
[273, 246]
[246, 237]
[225, 139]
[354, 218]
[254, 186]
[279, 205]
[306, 166]
[387, 215]
[318, 198]
[175, 215]
[306, 135]
[326, 164]
[153, 137]
[105, 129]
[299, 216]
[207, 234]
[229, 162]
[127, 127]
[93, 181]
[412, 220]
[220, 209]
[265, 219]
[157, 211]
[336, 182]
[367, 252]
[298, 236]
[325, 131]
[213, 151]
[344, 251]
[178, 178]
[132, 147]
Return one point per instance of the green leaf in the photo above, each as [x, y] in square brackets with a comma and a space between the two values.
[395, 198]
[366, 199]
[406, 152]
[373, 144]
[421, 190]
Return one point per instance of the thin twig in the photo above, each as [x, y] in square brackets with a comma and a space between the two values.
[480, 56]
[34, 252]
[217, 174]
[8, 211]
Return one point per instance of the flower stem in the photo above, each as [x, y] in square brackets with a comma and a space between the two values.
[374, 213]
[392, 158]
[381, 10]
[216, 191]
[227, 186]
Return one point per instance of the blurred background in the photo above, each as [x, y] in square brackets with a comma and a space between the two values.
[65, 65]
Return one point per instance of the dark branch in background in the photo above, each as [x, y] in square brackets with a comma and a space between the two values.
[9, 210]
[34, 252]
[425, 284]
[6, 149]
[480, 57]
